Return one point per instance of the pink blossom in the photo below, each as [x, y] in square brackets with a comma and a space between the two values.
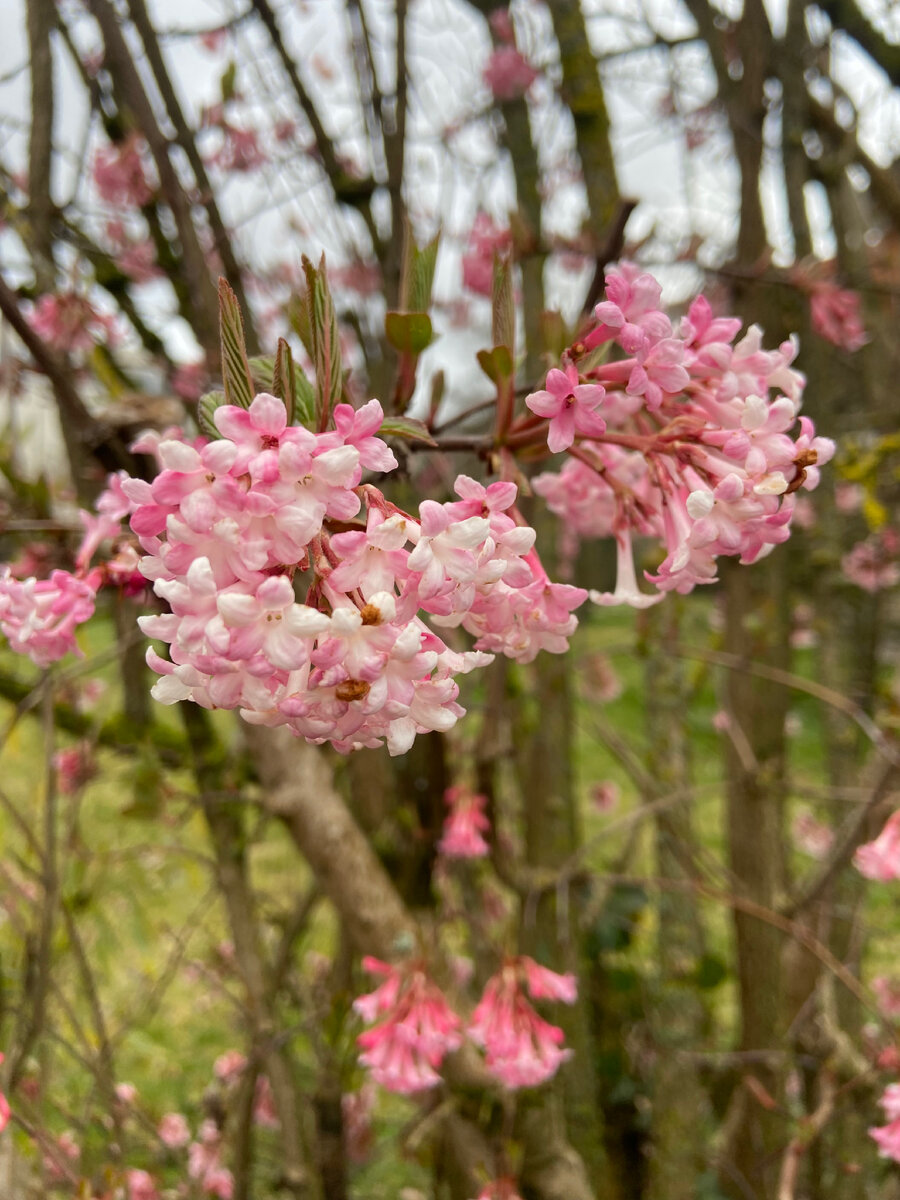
[887, 1137]
[521, 1049]
[75, 765]
[605, 795]
[813, 838]
[173, 1130]
[508, 74]
[874, 564]
[264, 1112]
[141, 1185]
[5, 1110]
[357, 1109]
[836, 317]
[119, 173]
[880, 859]
[499, 1189]
[570, 405]
[239, 151]
[485, 240]
[465, 825]
[68, 322]
[39, 617]
[501, 24]
[418, 1028]
[229, 1066]
[887, 993]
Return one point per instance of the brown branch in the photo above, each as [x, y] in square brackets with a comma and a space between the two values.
[40, 143]
[185, 139]
[120, 63]
[854, 833]
[355, 193]
[83, 431]
[225, 825]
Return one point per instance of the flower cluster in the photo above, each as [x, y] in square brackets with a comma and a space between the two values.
[880, 859]
[231, 526]
[419, 1028]
[119, 174]
[697, 453]
[874, 564]
[835, 316]
[486, 238]
[39, 616]
[521, 1048]
[69, 322]
[465, 825]
[887, 1137]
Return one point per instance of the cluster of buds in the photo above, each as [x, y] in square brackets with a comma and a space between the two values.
[231, 526]
[419, 1028]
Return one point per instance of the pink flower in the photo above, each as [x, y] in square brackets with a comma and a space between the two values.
[69, 322]
[39, 617]
[126, 1093]
[485, 240]
[605, 795]
[404, 1051]
[499, 1189]
[229, 1066]
[570, 406]
[508, 74]
[836, 316]
[874, 564]
[521, 1049]
[119, 174]
[813, 838]
[357, 1109]
[173, 1130]
[887, 1137]
[5, 1111]
[75, 766]
[141, 1185]
[464, 825]
[264, 1112]
[880, 859]
[887, 993]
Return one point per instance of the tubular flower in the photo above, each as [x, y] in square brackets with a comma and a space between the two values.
[465, 825]
[418, 1028]
[880, 859]
[521, 1049]
[228, 523]
[702, 451]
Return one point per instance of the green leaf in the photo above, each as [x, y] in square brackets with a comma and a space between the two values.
[554, 333]
[263, 368]
[228, 81]
[409, 332]
[236, 375]
[710, 972]
[206, 407]
[284, 384]
[503, 303]
[497, 364]
[298, 315]
[417, 277]
[325, 339]
[407, 428]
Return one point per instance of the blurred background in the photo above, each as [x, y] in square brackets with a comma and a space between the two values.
[676, 803]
